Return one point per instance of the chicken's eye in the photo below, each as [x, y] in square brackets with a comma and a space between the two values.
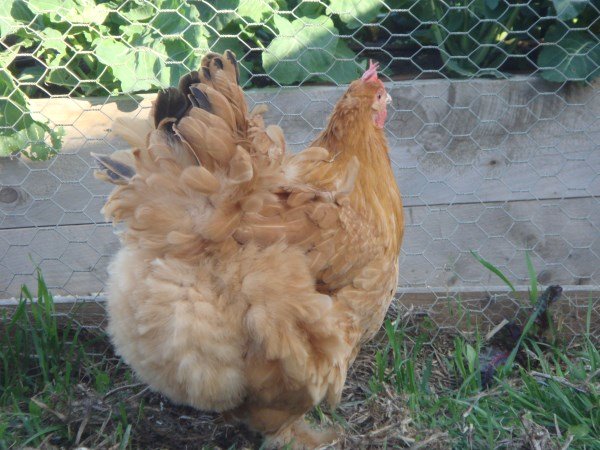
[378, 96]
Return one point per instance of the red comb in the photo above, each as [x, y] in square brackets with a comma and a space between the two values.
[371, 73]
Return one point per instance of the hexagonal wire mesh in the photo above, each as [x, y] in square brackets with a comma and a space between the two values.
[493, 131]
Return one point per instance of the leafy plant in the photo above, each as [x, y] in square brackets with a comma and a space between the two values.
[473, 35]
[304, 47]
[569, 55]
[104, 48]
[44, 360]
[355, 13]
[19, 132]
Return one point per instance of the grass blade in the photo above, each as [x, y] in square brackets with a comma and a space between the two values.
[41, 433]
[533, 293]
[488, 265]
[125, 440]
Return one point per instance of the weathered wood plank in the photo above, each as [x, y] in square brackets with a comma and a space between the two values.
[561, 234]
[451, 142]
[73, 258]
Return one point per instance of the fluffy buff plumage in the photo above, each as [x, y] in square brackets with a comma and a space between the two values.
[249, 277]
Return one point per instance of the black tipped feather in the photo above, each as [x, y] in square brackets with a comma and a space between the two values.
[115, 170]
[170, 106]
[187, 80]
[173, 104]
[193, 101]
[201, 99]
[231, 57]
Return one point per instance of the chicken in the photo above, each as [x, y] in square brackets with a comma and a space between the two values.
[249, 277]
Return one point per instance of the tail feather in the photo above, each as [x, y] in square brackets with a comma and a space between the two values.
[206, 116]
[188, 80]
[170, 106]
[210, 170]
[222, 74]
[116, 169]
[211, 147]
[219, 105]
[234, 64]
[200, 99]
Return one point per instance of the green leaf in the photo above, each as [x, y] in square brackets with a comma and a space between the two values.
[492, 4]
[303, 47]
[579, 431]
[308, 8]
[181, 59]
[256, 10]
[355, 13]
[218, 14]
[30, 77]
[61, 77]
[117, 56]
[110, 51]
[53, 39]
[13, 105]
[8, 56]
[134, 33]
[174, 18]
[574, 56]
[14, 14]
[472, 357]
[459, 66]
[149, 72]
[19, 133]
[71, 11]
[195, 36]
[344, 68]
[34, 141]
[136, 11]
[7, 24]
[569, 9]
[494, 270]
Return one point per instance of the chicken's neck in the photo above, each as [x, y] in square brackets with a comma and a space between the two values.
[375, 195]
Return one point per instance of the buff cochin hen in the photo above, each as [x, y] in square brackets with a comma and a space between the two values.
[248, 277]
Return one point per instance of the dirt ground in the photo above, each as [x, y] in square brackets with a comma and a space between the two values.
[369, 421]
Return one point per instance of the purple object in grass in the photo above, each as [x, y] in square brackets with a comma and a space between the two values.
[497, 351]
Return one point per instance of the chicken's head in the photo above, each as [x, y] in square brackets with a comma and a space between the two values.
[380, 98]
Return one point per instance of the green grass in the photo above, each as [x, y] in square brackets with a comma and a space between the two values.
[565, 402]
[52, 370]
[555, 391]
[43, 360]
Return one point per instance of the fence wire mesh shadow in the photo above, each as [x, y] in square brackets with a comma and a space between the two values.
[493, 130]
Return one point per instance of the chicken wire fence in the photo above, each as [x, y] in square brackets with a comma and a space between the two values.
[494, 129]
